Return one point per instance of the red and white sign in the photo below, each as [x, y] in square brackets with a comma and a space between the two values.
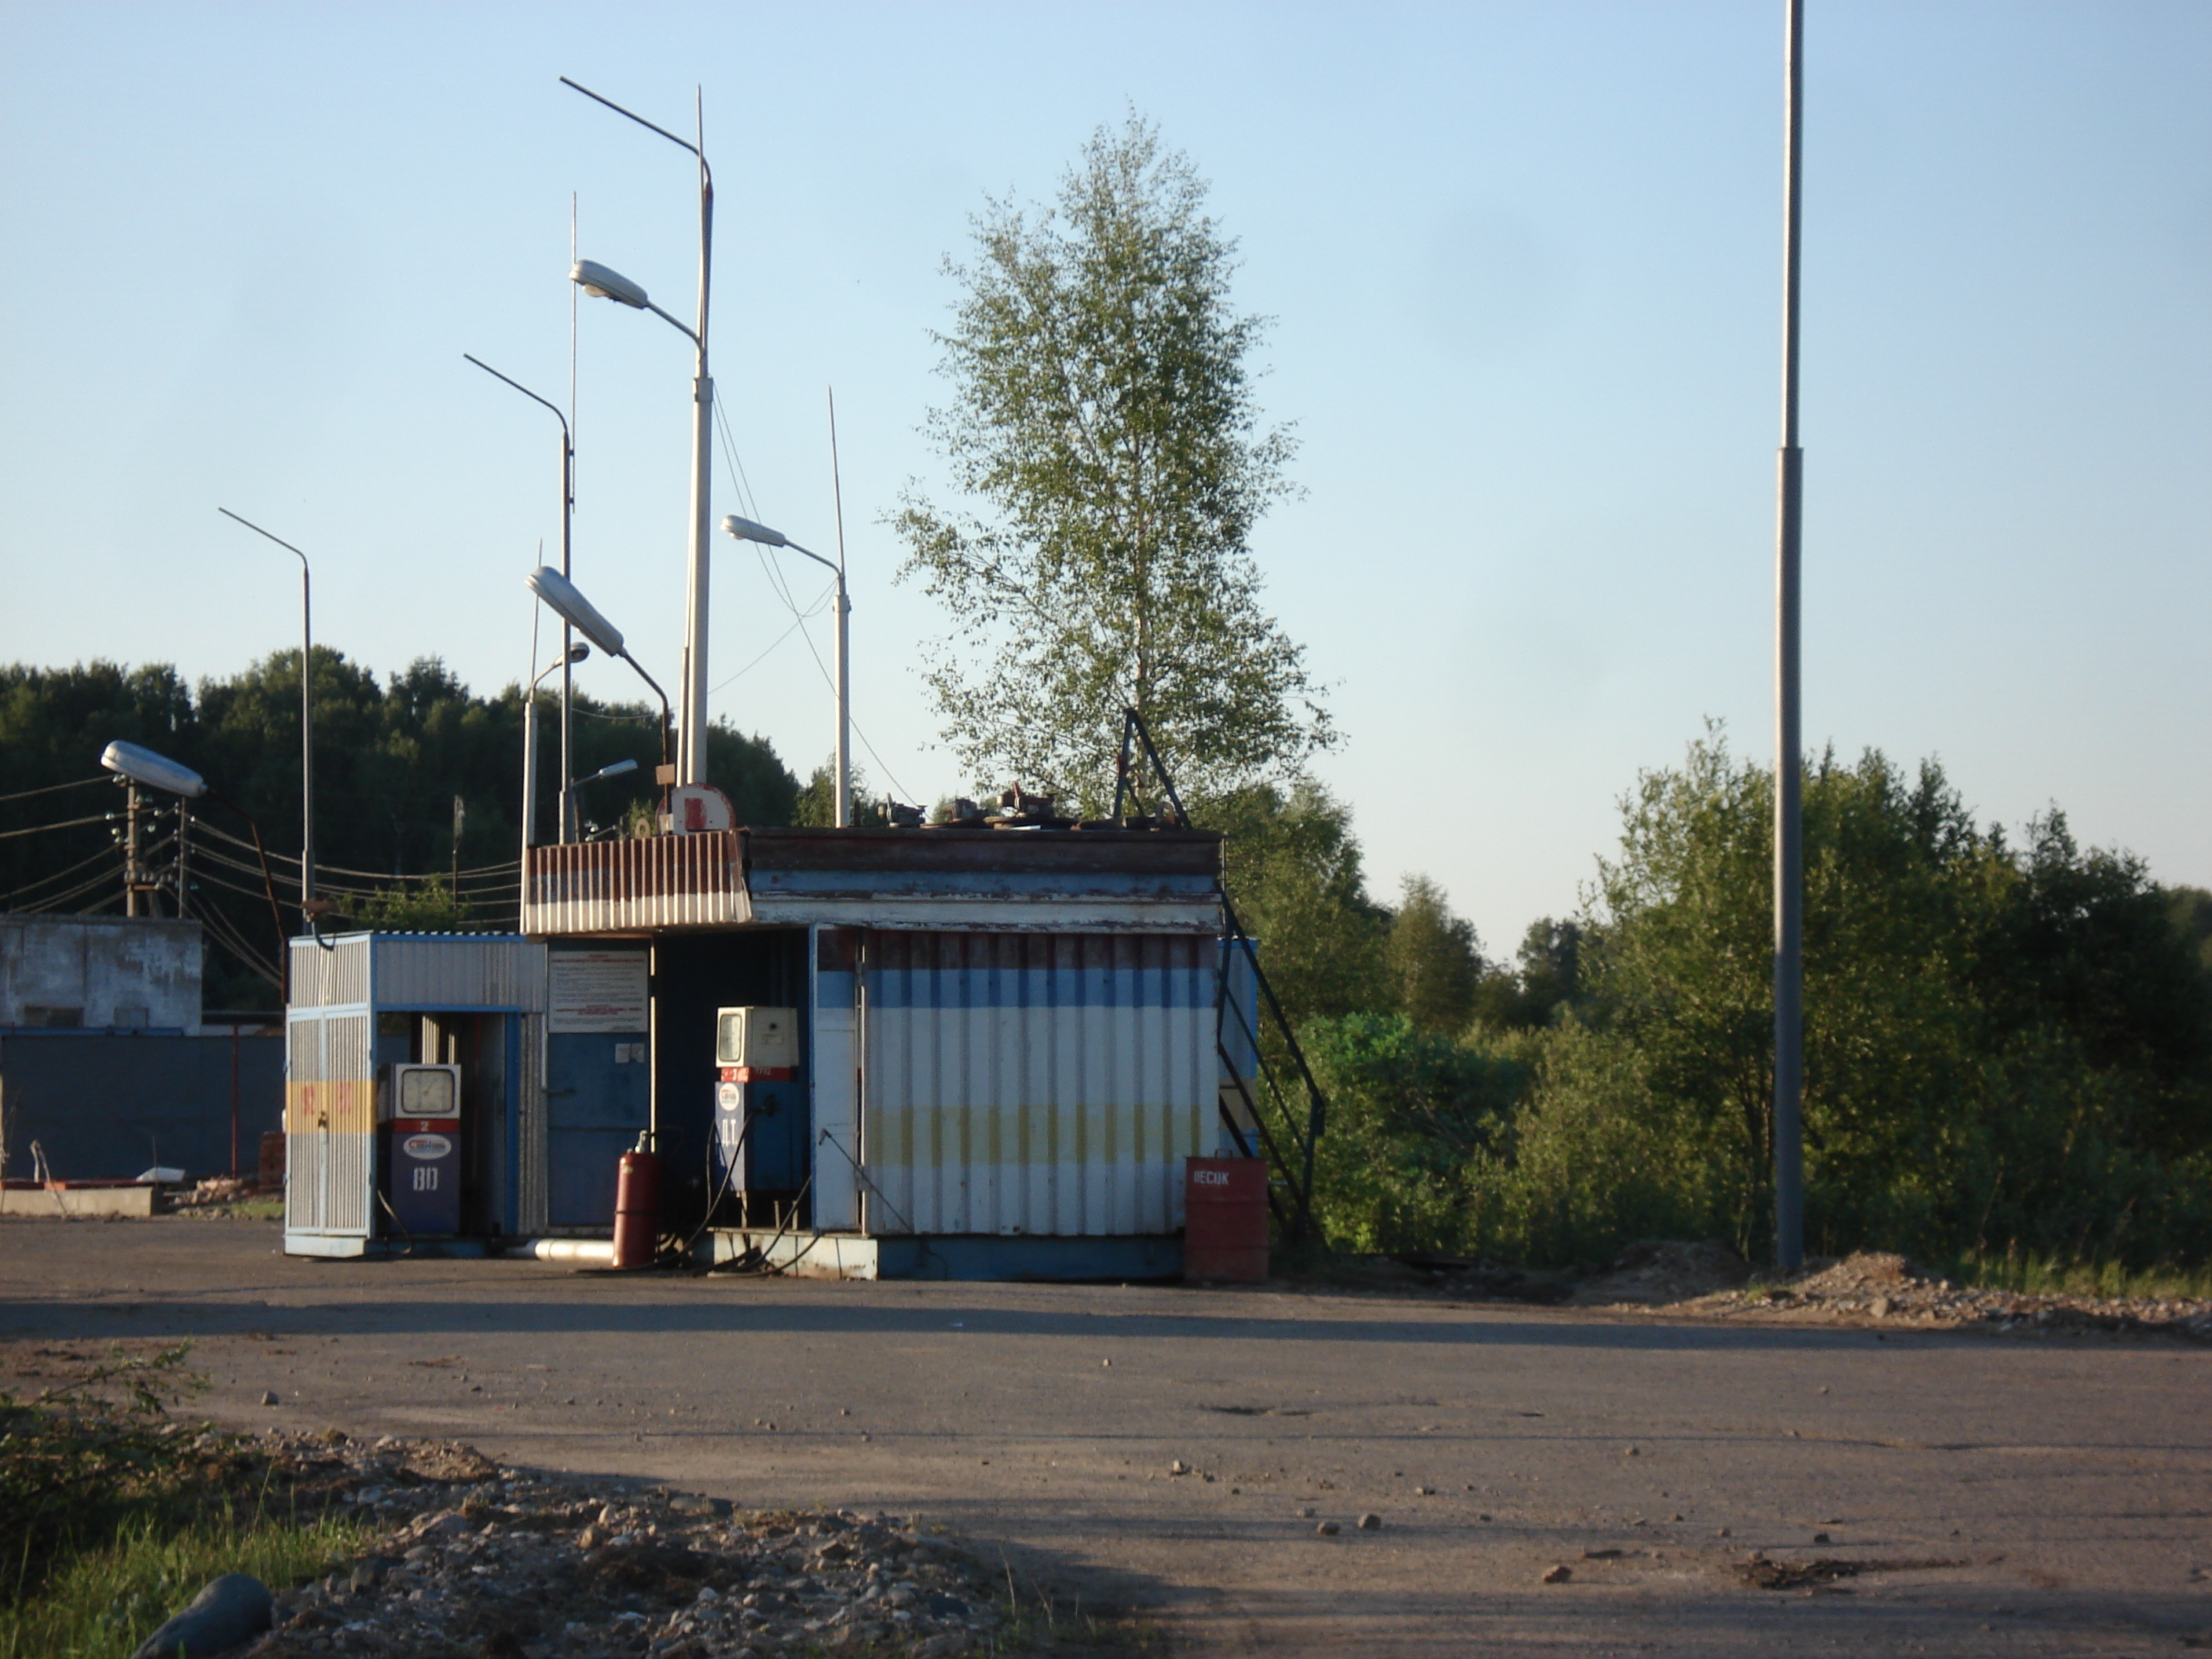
[696, 809]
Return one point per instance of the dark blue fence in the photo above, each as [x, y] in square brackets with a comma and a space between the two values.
[106, 1104]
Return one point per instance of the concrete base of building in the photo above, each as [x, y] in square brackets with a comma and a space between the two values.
[962, 1256]
[340, 1247]
[71, 1199]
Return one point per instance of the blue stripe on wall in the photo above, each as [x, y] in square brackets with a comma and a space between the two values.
[997, 971]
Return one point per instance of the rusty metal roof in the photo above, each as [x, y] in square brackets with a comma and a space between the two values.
[1057, 880]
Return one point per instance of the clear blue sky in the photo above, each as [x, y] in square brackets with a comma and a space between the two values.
[1524, 263]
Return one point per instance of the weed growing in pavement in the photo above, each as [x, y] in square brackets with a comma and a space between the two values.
[1036, 1620]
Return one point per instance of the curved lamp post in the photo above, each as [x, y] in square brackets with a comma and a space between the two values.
[746, 530]
[144, 766]
[562, 597]
[568, 638]
[597, 280]
[310, 907]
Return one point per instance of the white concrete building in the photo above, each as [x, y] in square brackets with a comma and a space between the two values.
[100, 973]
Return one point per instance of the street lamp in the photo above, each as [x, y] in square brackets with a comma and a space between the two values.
[577, 652]
[142, 766]
[597, 280]
[568, 639]
[611, 769]
[565, 601]
[310, 907]
[746, 530]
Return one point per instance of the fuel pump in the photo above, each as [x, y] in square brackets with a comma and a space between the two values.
[421, 1106]
[760, 1118]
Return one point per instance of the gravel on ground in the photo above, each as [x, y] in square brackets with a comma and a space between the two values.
[468, 1558]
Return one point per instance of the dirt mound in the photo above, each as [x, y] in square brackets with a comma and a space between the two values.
[1881, 1287]
[1870, 1272]
[1656, 1271]
[449, 1461]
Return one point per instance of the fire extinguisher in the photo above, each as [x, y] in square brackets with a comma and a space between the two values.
[637, 1206]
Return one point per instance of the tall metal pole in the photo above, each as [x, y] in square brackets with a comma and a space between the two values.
[844, 625]
[565, 832]
[307, 723]
[693, 769]
[691, 691]
[307, 749]
[1789, 747]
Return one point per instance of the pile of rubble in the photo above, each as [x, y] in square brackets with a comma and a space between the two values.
[1877, 1287]
[465, 1557]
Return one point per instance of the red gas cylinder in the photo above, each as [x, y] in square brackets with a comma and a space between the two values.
[637, 1208]
[1224, 1209]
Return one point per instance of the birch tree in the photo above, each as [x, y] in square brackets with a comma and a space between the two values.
[1108, 452]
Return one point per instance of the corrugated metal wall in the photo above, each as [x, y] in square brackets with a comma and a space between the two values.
[457, 971]
[1036, 1084]
[531, 1194]
[330, 1120]
[332, 977]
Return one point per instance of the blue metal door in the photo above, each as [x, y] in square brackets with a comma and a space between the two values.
[598, 1098]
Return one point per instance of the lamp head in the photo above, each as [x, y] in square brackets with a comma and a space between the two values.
[155, 771]
[578, 651]
[562, 598]
[746, 530]
[597, 280]
[612, 769]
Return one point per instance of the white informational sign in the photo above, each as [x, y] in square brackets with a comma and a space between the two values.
[597, 991]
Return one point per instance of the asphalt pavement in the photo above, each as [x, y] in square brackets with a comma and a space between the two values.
[1977, 1493]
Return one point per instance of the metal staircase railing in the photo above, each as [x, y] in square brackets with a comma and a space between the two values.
[1268, 1095]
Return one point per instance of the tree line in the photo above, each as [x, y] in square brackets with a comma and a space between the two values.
[2008, 1041]
[401, 760]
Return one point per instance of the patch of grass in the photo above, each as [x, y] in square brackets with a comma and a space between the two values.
[244, 1209]
[2044, 1275]
[113, 1516]
[101, 1603]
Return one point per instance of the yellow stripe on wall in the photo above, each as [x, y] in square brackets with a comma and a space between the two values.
[347, 1107]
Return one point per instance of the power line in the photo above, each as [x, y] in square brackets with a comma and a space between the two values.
[756, 661]
[51, 789]
[101, 856]
[54, 901]
[65, 824]
[292, 859]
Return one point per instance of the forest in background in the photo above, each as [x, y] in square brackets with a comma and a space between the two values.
[393, 757]
[2008, 1041]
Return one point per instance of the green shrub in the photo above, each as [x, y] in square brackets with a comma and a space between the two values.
[1418, 1123]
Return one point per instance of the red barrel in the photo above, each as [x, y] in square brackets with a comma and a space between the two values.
[637, 1209]
[1224, 1227]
